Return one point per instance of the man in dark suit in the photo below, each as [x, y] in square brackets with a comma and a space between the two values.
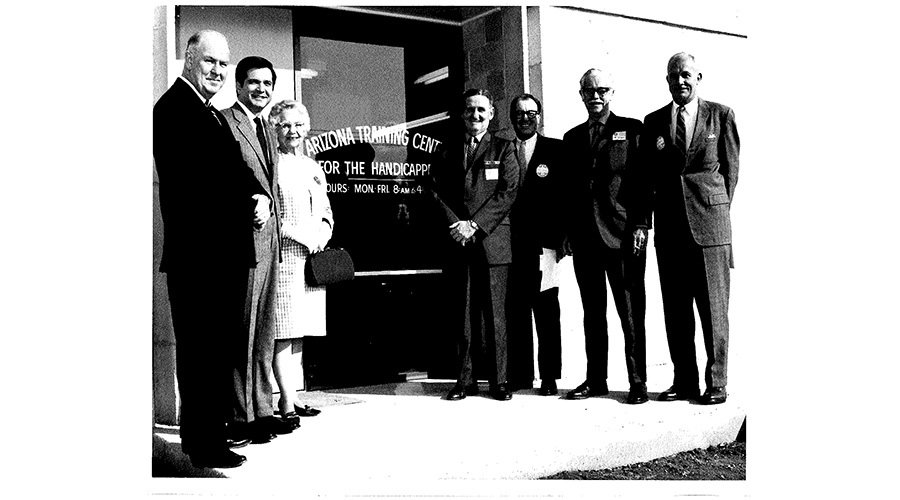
[255, 81]
[603, 159]
[689, 151]
[475, 189]
[538, 237]
[210, 203]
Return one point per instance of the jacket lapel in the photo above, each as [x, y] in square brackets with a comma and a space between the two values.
[480, 150]
[246, 129]
[700, 127]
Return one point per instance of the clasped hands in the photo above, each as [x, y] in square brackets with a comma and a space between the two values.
[261, 212]
[462, 231]
[640, 241]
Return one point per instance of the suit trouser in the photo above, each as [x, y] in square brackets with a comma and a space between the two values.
[259, 318]
[526, 286]
[594, 262]
[206, 307]
[483, 343]
[689, 272]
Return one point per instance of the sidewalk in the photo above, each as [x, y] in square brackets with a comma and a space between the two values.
[399, 433]
[405, 438]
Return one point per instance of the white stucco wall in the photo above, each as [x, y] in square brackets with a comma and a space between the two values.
[637, 51]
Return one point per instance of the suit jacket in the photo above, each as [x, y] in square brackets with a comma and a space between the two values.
[267, 241]
[539, 211]
[205, 187]
[698, 185]
[482, 192]
[602, 180]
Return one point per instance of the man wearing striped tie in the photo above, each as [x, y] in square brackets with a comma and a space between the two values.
[689, 162]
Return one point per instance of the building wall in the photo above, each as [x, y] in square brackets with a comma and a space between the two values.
[493, 59]
[636, 51]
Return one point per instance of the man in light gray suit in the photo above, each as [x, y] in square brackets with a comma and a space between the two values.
[689, 150]
[255, 81]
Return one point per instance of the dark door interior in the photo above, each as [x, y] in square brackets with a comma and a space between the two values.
[362, 70]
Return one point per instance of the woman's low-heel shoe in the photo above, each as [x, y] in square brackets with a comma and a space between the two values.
[306, 411]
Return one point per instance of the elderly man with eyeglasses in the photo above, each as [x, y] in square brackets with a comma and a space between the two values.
[602, 160]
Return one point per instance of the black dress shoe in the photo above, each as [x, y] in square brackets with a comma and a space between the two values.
[273, 425]
[223, 459]
[714, 396]
[637, 395]
[306, 411]
[292, 419]
[234, 443]
[258, 436]
[548, 388]
[459, 392]
[500, 392]
[675, 394]
[585, 391]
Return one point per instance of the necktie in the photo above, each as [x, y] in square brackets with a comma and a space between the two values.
[213, 111]
[596, 132]
[680, 131]
[470, 151]
[261, 136]
[523, 158]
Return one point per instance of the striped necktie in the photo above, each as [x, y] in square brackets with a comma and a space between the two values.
[213, 111]
[680, 131]
[470, 151]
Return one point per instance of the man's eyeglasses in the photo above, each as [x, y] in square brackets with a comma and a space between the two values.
[522, 114]
[589, 92]
[287, 126]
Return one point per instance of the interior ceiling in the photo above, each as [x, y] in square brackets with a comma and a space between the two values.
[438, 13]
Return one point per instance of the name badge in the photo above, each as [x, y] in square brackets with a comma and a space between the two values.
[491, 174]
[619, 136]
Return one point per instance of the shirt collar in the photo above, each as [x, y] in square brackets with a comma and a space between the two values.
[530, 141]
[247, 112]
[602, 120]
[477, 137]
[191, 85]
[689, 108]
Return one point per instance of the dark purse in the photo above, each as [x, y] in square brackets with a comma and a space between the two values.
[330, 266]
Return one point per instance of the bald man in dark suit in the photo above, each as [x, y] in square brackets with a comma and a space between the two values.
[210, 203]
[690, 149]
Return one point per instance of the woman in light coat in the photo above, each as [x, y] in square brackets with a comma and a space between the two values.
[307, 226]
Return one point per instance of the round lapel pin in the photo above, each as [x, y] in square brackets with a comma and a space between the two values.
[660, 143]
[542, 170]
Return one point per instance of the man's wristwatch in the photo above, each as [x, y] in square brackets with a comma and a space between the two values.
[473, 224]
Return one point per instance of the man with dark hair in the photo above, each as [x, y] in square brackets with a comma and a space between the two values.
[690, 149]
[210, 203]
[537, 241]
[603, 156]
[475, 189]
[254, 83]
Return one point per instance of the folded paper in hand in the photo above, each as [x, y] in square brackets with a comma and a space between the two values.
[330, 266]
